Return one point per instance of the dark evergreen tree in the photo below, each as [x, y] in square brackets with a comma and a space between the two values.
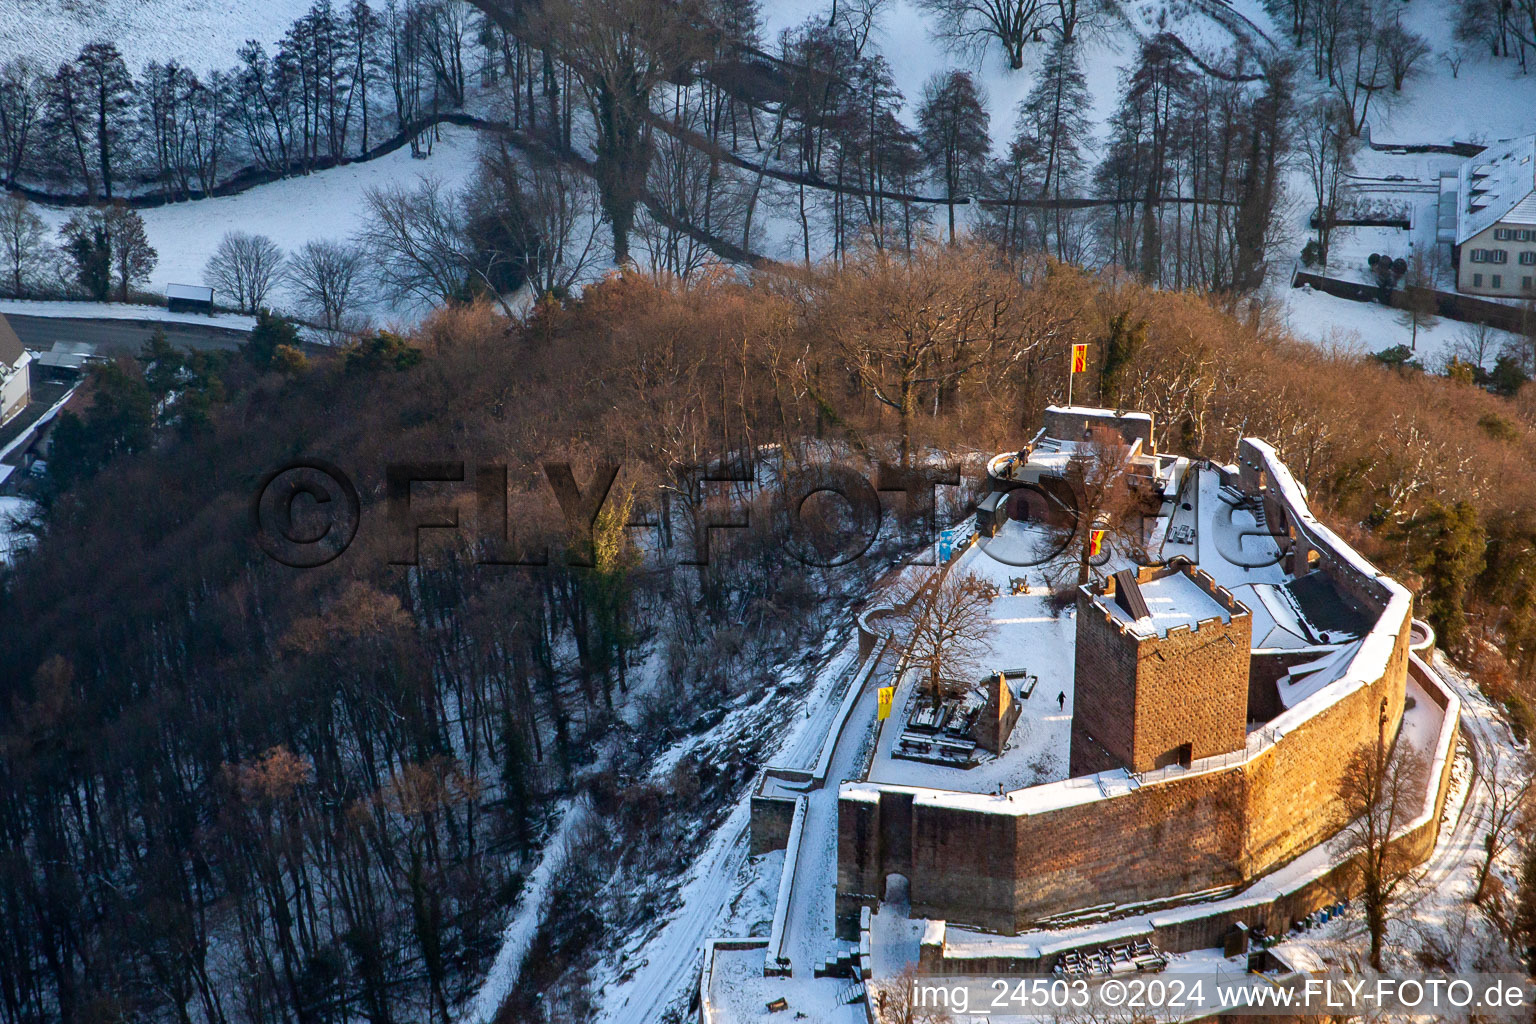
[954, 130]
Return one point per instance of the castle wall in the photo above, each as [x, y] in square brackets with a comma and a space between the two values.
[1141, 699]
[1072, 423]
[1295, 781]
[1103, 701]
[1002, 865]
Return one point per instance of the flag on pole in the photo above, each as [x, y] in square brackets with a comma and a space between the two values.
[887, 694]
[1095, 543]
[1080, 358]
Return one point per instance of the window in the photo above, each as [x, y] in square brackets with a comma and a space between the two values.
[1477, 280]
[1498, 255]
[1528, 259]
[1498, 282]
[1501, 234]
[1479, 255]
[1525, 285]
[1525, 236]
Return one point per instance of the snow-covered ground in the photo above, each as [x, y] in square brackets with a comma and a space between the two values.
[519, 933]
[1336, 323]
[121, 311]
[202, 34]
[1026, 636]
[328, 205]
[11, 511]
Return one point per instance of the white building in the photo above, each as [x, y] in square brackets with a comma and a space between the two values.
[15, 373]
[1495, 252]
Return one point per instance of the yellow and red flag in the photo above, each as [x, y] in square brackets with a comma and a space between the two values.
[1095, 543]
[886, 694]
[1079, 358]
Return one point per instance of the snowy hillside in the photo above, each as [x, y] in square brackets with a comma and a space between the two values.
[203, 34]
[328, 205]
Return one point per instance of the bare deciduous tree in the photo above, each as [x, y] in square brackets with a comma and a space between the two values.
[899, 1000]
[1404, 51]
[1328, 148]
[544, 215]
[1475, 344]
[1419, 310]
[622, 50]
[133, 258]
[416, 242]
[1106, 503]
[946, 624]
[1508, 774]
[325, 274]
[969, 25]
[245, 267]
[913, 330]
[1382, 790]
[24, 250]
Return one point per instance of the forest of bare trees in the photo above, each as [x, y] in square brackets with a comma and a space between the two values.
[329, 784]
[691, 132]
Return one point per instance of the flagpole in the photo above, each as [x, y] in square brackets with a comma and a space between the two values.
[1071, 372]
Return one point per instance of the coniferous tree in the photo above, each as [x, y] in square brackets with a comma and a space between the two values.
[953, 128]
[108, 88]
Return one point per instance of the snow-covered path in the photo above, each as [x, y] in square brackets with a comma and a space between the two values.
[520, 930]
[669, 961]
[808, 925]
[672, 958]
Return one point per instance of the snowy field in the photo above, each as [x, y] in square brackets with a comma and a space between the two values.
[1336, 323]
[121, 311]
[325, 206]
[203, 34]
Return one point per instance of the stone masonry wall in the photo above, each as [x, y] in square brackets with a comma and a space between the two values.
[1139, 699]
[1001, 871]
[1192, 687]
[1104, 698]
[1296, 782]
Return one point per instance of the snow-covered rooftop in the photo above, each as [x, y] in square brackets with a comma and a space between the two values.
[1088, 410]
[1498, 186]
[1173, 600]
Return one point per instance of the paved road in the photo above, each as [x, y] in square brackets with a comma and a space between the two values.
[42, 333]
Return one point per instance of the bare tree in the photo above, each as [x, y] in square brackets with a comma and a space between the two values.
[1109, 510]
[325, 274]
[1360, 67]
[544, 216]
[622, 50]
[693, 195]
[1419, 310]
[21, 106]
[1404, 52]
[1382, 790]
[913, 331]
[969, 25]
[1328, 146]
[953, 128]
[133, 258]
[898, 999]
[24, 250]
[245, 267]
[1508, 774]
[946, 624]
[416, 242]
[1475, 344]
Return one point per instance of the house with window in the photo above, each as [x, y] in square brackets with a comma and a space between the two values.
[1495, 251]
[15, 373]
